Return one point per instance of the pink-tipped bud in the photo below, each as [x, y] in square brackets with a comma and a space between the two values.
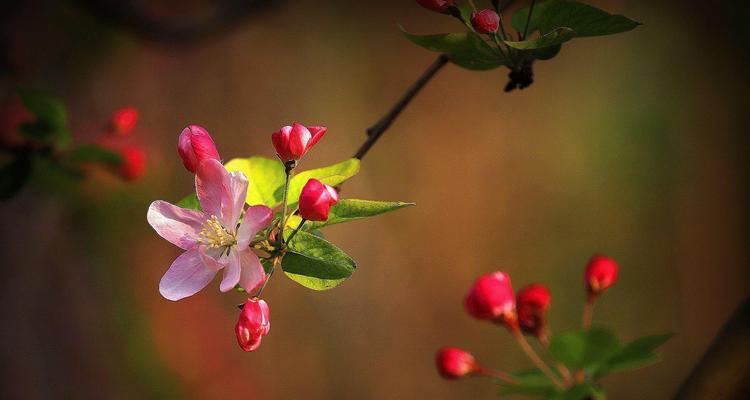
[254, 323]
[492, 298]
[123, 120]
[133, 163]
[485, 21]
[195, 145]
[532, 303]
[454, 363]
[292, 142]
[316, 200]
[441, 6]
[601, 273]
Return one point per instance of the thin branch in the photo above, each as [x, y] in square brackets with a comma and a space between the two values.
[376, 131]
[528, 20]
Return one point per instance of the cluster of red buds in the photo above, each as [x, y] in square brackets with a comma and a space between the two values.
[198, 153]
[492, 299]
[121, 124]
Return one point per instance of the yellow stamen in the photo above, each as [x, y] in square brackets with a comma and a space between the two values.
[215, 235]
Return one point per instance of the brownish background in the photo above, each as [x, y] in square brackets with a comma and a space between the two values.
[631, 145]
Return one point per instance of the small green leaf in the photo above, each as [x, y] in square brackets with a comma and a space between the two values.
[584, 19]
[190, 202]
[90, 153]
[466, 49]
[331, 175]
[51, 118]
[547, 53]
[554, 38]
[532, 382]
[581, 391]
[638, 353]
[351, 209]
[265, 179]
[14, 175]
[583, 349]
[315, 263]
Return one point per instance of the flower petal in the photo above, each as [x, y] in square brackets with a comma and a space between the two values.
[179, 226]
[211, 256]
[220, 193]
[231, 272]
[298, 139]
[253, 275]
[237, 193]
[186, 276]
[317, 133]
[256, 218]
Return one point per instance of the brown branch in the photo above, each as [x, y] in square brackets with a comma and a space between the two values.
[376, 131]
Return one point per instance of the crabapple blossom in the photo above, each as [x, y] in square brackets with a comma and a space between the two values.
[454, 363]
[485, 21]
[601, 273]
[253, 324]
[492, 298]
[292, 142]
[532, 303]
[316, 200]
[195, 145]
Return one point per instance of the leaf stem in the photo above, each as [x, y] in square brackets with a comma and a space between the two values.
[376, 131]
[534, 357]
[528, 20]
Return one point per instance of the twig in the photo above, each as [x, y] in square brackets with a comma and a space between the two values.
[528, 20]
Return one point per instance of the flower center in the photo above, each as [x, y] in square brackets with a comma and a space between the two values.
[215, 235]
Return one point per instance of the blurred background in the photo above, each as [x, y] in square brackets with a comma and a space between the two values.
[631, 145]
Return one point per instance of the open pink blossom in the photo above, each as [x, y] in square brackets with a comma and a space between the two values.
[216, 238]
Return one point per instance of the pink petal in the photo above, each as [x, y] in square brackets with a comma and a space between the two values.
[256, 218]
[237, 194]
[177, 225]
[317, 133]
[212, 257]
[253, 275]
[298, 139]
[231, 272]
[186, 276]
[220, 193]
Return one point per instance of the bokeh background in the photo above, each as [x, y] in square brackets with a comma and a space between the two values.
[631, 145]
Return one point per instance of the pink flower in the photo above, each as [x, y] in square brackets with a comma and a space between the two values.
[441, 6]
[316, 200]
[215, 238]
[133, 164]
[195, 145]
[454, 363]
[532, 303]
[492, 298]
[292, 142]
[254, 323]
[601, 273]
[485, 21]
[123, 120]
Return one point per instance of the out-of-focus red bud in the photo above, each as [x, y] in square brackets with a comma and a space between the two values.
[454, 363]
[601, 273]
[316, 200]
[492, 298]
[532, 303]
[195, 145]
[441, 6]
[123, 120]
[485, 21]
[292, 142]
[253, 325]
[133, 163]
[12, 115]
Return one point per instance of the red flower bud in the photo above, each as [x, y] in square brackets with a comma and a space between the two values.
[195, 145]
[133, 163]
[254, 323]
[441, 6]
[123, 120]
[601, 273]
[492, 298]
[316, 200]
[532, 303]
[485, 21]
[454, 363]
[292, 142]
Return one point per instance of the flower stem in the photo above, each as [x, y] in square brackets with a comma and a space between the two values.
[302, 222]
[276, 262]
[288, 167]
[491, 373]
[588, 312]
[528, 20]
[534, 356]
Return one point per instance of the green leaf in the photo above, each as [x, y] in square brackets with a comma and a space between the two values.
[190, 202]
[315, 263]
[584, 19]
[465, 49]
[51, 118]
[547, 53]
[583, 348]
[581, 391]
[554, 38]
[14, 175]
[265, 177]
[638, 353]
[90, 153]
[351, 209]
[532, 382]
[331, 175]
